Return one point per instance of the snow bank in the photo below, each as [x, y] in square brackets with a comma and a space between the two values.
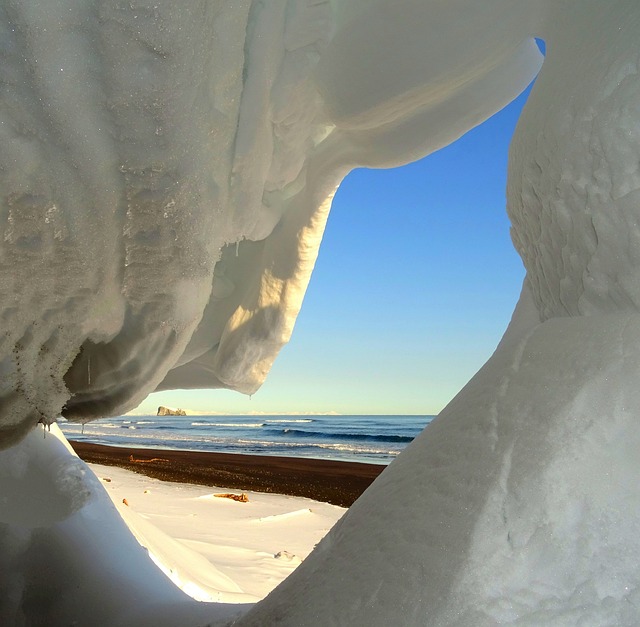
[165, 177]
[214, 548]
[67, 556]
[68, 553]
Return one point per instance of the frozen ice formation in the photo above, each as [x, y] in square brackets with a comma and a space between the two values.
[143, 146]
[165, 175]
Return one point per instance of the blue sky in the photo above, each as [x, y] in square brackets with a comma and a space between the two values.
[414, 285]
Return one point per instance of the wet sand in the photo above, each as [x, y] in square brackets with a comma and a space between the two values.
[339, 483]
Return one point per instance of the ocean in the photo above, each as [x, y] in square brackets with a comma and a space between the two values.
[370, 439]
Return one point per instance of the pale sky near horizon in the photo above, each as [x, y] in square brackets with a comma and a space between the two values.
[414, 286]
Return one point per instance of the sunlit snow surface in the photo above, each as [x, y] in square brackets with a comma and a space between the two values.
[165, 175]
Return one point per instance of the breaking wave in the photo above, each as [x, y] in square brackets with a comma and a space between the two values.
[331, 435]
[371, 439]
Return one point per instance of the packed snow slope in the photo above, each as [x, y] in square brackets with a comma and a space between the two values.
[165, 176]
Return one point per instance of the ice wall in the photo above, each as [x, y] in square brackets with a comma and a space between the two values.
[519, 504]
[149, 150]
[165, 175]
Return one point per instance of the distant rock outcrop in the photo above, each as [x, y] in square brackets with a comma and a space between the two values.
[165, 411]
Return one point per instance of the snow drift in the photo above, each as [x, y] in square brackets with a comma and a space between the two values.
[165, 176]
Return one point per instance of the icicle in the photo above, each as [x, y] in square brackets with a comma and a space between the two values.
[89, 370]
[237, 247]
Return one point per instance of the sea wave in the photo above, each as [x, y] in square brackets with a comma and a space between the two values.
[244, 425]
[273, 443]
[365, 439]
[106, 425]
[343, 448]
[332, 435]
[287, 421]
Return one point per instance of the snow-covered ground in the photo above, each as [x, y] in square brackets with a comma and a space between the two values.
[214, 548]
[68, 556]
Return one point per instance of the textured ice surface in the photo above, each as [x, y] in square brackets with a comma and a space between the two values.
[167, 169]
[165, 175]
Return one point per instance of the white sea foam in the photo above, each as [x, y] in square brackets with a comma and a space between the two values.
[361, 450]
[271, 443]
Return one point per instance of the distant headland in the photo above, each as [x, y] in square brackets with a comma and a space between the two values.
[165, 411]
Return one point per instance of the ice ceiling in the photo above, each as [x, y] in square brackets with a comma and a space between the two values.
[165, 175]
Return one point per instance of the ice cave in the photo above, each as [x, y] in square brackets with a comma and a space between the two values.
[166, 170]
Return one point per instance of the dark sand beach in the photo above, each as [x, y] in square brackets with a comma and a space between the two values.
[339, 483]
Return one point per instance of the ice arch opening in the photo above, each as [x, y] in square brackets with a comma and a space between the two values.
[521, 504]
[433, 273]
[444, 283]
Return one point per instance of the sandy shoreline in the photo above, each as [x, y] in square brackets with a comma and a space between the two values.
[335, 482]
